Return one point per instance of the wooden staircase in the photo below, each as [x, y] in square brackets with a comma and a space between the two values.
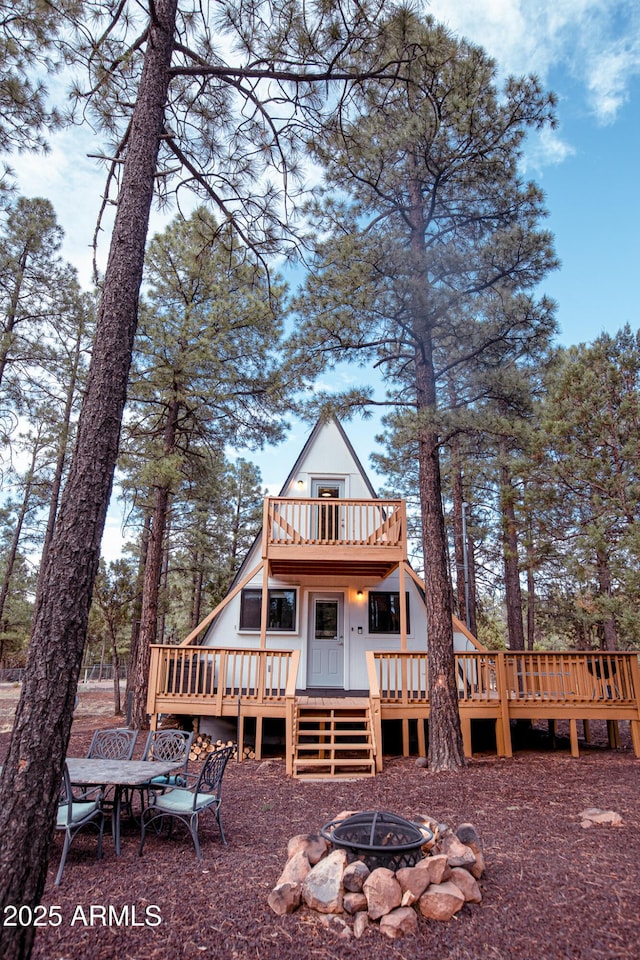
[333, 738]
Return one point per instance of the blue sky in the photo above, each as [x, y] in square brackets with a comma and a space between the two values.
[588, 52]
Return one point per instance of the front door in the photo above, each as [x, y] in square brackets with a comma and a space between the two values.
[326, 641]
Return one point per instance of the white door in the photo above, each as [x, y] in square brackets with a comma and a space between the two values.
[326, 641]
[328, 520]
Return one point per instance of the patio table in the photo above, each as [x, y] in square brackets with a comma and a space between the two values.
[85, 771]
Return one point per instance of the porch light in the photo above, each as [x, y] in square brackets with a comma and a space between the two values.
[359, 594]
[300, 484]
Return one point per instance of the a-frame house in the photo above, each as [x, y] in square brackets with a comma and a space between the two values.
[322, 638]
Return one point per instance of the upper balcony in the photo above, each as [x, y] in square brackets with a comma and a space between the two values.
[331, 537]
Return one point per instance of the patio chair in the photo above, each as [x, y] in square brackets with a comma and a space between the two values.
[187, 803]
[170, 746]
[74, 813]
[114, 743]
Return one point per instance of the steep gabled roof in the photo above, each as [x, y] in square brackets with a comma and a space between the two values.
[311, 440]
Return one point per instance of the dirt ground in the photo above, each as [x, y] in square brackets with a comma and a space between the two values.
[552, 888]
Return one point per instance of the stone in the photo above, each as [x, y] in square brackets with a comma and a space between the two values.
[296, 869]
[312, 844]
[360, 924]
[382, 891]
[285, 898]
[399, 923]
[467, 884]
[354, 902]
[437, 867]
[355, 876]
[441, 901]
[477, 869]
[415, 880]
[458, 854]
[467, 834]
[322, 887]
[594, 815]
[422, 763]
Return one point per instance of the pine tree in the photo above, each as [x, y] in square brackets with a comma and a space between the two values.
[437, 234]
[208, 370]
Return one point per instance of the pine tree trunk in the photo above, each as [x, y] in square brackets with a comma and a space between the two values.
[458, 532]
[151, 589]
[63, 444]
[137, 609]
[198, 580]
[31, 776]
[609, 629]
[12, 312]
[473, 604]
[115, 665]
[17, 533]
[445, 735]
[531, 595]
[513, 590]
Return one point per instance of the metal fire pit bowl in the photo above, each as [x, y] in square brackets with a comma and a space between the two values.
[378, 838]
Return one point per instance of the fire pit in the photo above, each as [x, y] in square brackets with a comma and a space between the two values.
[380, 839]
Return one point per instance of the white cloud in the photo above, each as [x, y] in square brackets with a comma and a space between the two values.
[544, 149]
[596, 41]
[608, 83]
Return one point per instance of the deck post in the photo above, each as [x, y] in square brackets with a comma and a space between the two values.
[290, 733]
[422, 739]
[259, 737]
[152, 686]
[403, 605]
[634, 666]
[501, 675]
[374, 704]
[264, 610]
[465, 725]
[573, 734]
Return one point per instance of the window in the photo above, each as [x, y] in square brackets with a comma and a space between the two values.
[281, 611]
[384, 612]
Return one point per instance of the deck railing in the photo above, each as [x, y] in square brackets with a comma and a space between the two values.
[568, 678]
[571, 677]
[192, 674]
[320, 522]
[498, 685]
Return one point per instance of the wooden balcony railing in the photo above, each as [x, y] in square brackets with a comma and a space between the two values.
[503, 686]
[318, 522]
[517, 678]
[209, 679]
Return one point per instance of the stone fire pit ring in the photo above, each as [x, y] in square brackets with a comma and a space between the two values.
[379, 838]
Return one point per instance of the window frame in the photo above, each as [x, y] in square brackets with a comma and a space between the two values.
[257, 592]
[387, 593]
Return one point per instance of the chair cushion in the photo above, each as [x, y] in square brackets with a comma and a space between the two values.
[172, 781]
[181, 801]
[78, 812]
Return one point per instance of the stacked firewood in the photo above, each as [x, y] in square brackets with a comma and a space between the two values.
[203, 745]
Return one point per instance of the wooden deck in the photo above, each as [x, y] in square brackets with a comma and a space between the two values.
[499, 687]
